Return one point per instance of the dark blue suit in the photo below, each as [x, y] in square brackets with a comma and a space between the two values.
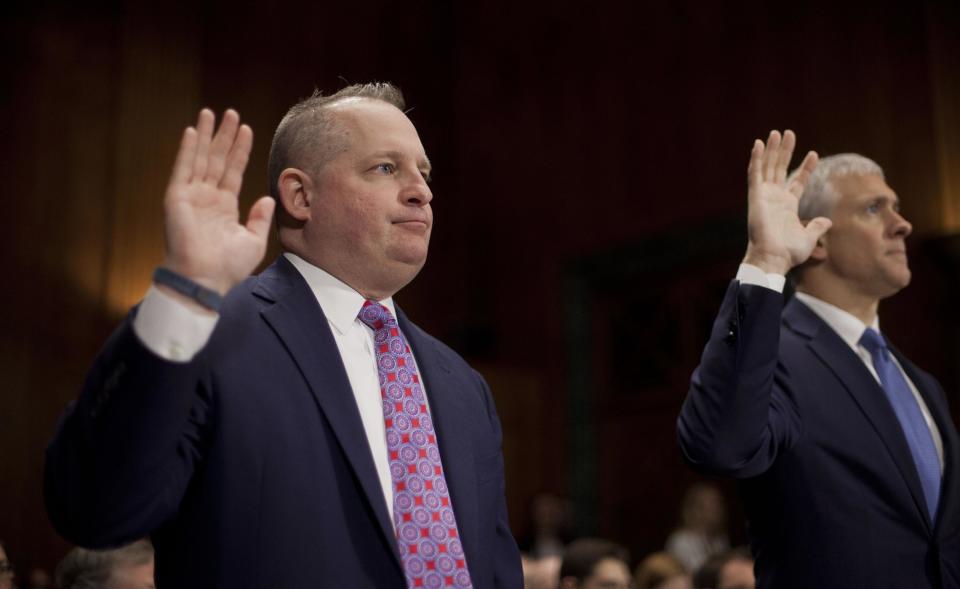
[830, 490]
[249, 465]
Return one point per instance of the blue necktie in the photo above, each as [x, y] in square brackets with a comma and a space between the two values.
[908, 414]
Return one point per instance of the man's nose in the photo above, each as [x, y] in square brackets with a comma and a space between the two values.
[900, 227]
[417, 192]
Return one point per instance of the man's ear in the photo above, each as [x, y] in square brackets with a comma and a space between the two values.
[819, 252]
[296, 193]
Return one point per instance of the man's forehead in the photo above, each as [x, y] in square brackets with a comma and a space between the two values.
[860, 186]
[376, 126]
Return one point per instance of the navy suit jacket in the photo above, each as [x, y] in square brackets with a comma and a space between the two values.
[829, 487]
[249, 465]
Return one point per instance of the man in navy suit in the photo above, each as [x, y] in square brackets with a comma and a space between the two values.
[244, 423]
[845, 451]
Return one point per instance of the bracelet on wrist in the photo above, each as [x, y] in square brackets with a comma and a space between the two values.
[204, 296]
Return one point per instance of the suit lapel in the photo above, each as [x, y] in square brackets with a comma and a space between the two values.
[450, 419]
[927, 387]
[299, 322]
[837, 356]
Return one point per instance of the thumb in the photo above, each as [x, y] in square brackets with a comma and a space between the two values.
[261, 213]
[817, 227]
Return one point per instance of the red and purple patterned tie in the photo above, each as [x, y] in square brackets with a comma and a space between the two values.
[423, 517]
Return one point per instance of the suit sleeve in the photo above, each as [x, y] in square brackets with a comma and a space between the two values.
[123, 453]
[507, 571]
[739, 415]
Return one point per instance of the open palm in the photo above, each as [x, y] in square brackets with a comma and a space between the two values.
[205, 239]
[779, 240]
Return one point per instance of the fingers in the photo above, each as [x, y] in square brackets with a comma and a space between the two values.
[770, 156]
[258, 222]
[800, 179]
[221, 145]
[236, 161]
[204, 131]
[769, 161]
[755, 169]
[784, 156]
[183, 165]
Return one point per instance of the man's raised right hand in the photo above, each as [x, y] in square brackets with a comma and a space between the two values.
[205, 240]
[779, 240]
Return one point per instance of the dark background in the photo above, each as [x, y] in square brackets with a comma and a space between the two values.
[590, 196]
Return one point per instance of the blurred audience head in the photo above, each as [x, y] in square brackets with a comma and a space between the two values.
[550, 518]
[703, 509]
[661, 571]
[730, 570]
[38, 579]
[129, 567]
[6, 569]
[592, 563]
[540, 573]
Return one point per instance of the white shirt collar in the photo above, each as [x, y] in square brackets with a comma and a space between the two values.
[848, 327]
[340, 303]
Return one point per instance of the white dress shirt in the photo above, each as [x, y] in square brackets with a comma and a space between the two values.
[850, 329]
[176, 332]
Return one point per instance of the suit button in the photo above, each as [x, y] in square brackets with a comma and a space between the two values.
[731, 332]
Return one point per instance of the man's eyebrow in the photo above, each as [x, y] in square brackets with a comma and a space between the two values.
[393, 154]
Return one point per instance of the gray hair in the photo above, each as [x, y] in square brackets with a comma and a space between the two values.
[820, 196]
[308, 136]
[91, 569]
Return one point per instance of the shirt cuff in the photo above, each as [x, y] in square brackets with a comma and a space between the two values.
[750, 274]
[170, 329]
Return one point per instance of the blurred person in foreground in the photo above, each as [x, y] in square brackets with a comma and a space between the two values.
[128, 567]
[6, 569]
[661, 570]
[732, 569]
[541, 573]
[846, 452]
[294, 428]
[594, 563]
[703, 527]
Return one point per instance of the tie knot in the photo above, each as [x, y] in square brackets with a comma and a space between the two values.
[376, 316]
[873, 342]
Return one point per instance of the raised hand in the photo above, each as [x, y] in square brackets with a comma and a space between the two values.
[205, 239]
[778, 239]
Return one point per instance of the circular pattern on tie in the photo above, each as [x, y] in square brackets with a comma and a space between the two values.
[394, 391]
[387, 362]
[426, 423]
[419, 438]
[393, 439]
[411, 407]
[417, 393]
[409, 532]
[432, 581]
[427, 536]
[415, 565]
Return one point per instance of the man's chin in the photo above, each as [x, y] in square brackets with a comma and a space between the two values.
[896, 281]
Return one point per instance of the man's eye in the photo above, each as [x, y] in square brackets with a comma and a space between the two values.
[386, 168]
[873, 209]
